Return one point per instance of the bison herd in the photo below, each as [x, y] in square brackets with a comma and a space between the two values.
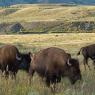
[51, 64]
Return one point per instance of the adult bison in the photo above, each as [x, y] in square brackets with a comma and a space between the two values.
[88, 52]
[53, 63]
[11, 59]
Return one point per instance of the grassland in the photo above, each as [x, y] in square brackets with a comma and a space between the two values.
[48, 18]
[69, 42]
[38, 12]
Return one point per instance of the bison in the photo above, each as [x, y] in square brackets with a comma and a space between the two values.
[88, 52]
[11, 59]
[52, 64]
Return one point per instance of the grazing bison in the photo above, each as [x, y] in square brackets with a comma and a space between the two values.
[53, 63]
[11, 58]
[88, 52]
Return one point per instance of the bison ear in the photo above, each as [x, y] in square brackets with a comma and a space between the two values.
[68, 62]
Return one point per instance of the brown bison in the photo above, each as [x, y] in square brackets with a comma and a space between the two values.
[53, 63]
[88, 52]
[11, 59]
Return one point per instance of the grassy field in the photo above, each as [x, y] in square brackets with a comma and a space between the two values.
[69, 42]
[38, 12]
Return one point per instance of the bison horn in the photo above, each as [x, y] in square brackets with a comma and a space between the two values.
[68, 62]
[18, 58]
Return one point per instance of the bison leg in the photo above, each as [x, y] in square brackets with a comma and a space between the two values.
[53, 88]
[4, 70]
[88, 66]
[94, 63]
[7, 72]
[51, 82]
[13, 75]
[12, 71]
[31, 73]
[86, 63]
[2, 73]
[47, 82]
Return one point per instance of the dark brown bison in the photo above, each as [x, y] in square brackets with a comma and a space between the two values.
[88, 52]
[53, 63]
[11, 59]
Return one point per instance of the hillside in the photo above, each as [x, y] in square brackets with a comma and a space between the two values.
[50, 17]
[47, 12]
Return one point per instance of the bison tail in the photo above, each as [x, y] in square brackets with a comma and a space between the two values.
[79, 52]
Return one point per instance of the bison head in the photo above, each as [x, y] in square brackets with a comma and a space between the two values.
[26, 60]
[74, 73]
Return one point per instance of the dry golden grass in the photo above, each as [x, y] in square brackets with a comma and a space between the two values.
[36, 12]
[34, 42]
[49, 39]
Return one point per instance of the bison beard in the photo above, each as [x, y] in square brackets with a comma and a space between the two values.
[53, 63]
